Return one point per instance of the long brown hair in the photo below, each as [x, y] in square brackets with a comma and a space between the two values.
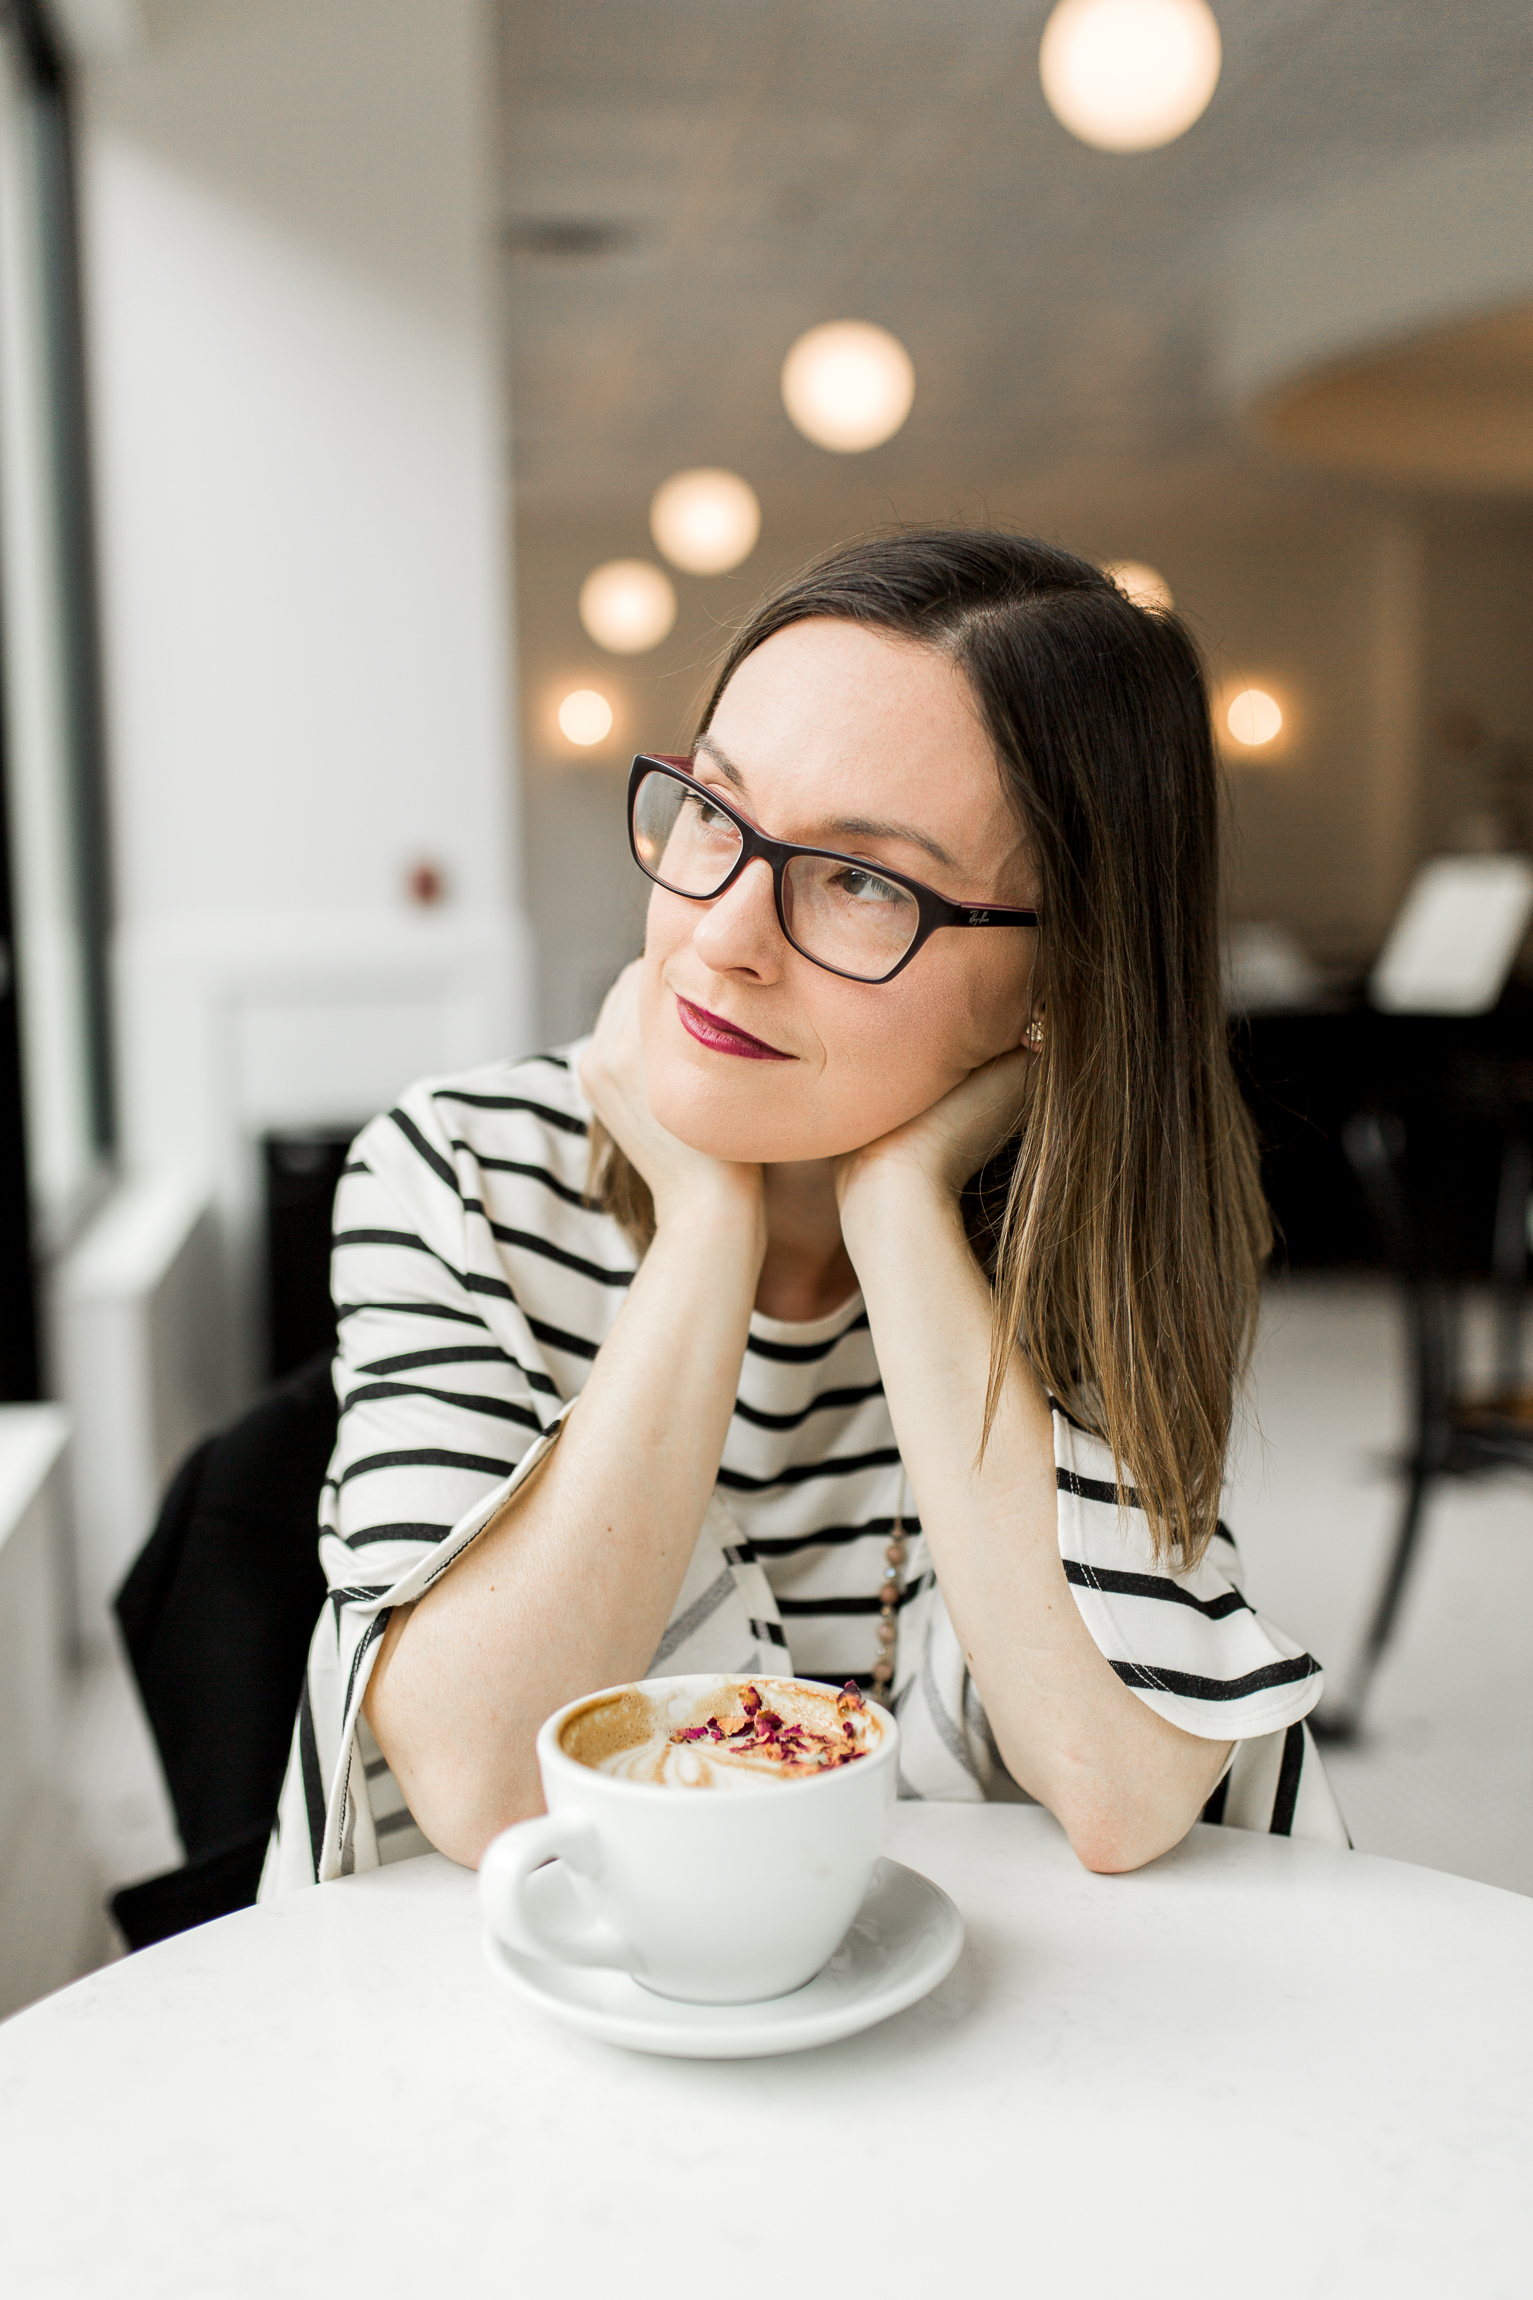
[1123, 1228]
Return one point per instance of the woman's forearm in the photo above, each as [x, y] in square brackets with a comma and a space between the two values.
[572, 1585]
[1124, 1783]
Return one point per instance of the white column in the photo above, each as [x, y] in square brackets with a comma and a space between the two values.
[1394, 768]
[299, 410]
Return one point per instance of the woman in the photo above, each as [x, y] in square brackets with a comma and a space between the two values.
[895, 1240]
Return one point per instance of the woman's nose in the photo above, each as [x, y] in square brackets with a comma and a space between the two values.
[739, 930]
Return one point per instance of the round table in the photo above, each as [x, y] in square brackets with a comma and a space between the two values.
[1255, 2067]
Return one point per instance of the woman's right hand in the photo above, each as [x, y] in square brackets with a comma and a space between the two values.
[571, 1584]
[612, 1080]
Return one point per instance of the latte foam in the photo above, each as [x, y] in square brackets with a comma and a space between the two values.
[745, 1734]
[666, 1764]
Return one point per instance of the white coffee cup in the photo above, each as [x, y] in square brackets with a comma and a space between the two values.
[701, 1894]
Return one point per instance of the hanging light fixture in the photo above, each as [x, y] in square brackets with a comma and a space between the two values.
[705, 521]
[1253, 717]
[585, 717]
[1129, 75]
[1146, 586]
[627, 605]
[848, 385]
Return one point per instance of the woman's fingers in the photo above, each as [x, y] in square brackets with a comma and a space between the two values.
[612, 1078]
[975, 1119]
[617, 1023]
[611, 1068]
[955, 1137]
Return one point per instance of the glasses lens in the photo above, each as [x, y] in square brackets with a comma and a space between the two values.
[847, 917]
[680, 839]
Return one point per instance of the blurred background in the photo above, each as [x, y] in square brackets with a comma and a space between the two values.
[400, 400]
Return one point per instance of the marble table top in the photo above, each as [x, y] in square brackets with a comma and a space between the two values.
[1254, 2068]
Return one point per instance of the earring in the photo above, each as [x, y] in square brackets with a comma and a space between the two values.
[1033, 1035]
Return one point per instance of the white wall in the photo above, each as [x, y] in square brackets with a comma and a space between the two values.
[298, 405]
[298, 413]
[136, 1326]
[51, 1918]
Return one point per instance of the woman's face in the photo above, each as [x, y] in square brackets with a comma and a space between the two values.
[834, 736]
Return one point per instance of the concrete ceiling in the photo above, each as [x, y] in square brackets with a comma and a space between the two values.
[1454, 406]
[737, 170]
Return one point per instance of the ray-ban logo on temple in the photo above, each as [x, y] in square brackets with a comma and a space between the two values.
[841, 911]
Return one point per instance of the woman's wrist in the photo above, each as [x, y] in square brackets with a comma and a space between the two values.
[724, 1209]
[888, 1200]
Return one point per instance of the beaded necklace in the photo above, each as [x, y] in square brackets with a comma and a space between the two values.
[889, 1600]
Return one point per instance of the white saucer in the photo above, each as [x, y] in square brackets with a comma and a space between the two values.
[904, 1940]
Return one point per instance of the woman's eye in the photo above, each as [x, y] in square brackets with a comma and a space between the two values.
[862, 886]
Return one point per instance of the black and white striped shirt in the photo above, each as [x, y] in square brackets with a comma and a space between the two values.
[474, 1287]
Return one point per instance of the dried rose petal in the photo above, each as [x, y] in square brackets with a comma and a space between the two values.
[765, 1736]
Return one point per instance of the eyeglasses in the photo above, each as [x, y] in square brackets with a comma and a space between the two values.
[835, 909]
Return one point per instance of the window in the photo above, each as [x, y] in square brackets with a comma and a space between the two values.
[56, 1124]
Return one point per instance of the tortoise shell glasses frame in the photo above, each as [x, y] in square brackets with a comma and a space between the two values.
[933, 910]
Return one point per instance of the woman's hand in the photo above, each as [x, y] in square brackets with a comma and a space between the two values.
[612, 1079]
[571, 1585]
[943, 1146]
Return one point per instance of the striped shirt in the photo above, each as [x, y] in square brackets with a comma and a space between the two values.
[474, 1286]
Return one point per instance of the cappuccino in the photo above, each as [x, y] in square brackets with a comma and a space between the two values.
[711, 1900]
[750, 1734]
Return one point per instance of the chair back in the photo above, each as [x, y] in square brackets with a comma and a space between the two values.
[217, 1615]
[1375, 1144]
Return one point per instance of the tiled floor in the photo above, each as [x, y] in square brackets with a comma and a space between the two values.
[119, 1797]
[1444, 1774]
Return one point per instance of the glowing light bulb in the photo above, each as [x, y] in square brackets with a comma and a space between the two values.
[1146, 586]
[585, 717]
[705, 521]
[1128, 75]
[1253, 718]
[627, 605]
[848, 385]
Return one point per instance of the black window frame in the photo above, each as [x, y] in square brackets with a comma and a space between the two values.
[45, 75]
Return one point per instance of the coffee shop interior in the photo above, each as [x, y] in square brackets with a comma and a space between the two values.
[400, 400]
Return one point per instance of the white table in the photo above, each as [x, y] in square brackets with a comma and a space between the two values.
[1255, 2068]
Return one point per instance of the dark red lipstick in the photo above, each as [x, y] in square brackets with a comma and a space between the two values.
[726, 1037]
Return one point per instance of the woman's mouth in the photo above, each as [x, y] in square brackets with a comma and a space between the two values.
[726, 1037]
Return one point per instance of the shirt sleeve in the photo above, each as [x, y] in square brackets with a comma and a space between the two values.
[1188, 1644]
[442, 1416]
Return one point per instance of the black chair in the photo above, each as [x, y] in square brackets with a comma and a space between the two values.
[217, 1614]
[1454, 1431]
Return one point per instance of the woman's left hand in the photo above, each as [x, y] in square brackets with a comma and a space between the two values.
[943, 1146]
